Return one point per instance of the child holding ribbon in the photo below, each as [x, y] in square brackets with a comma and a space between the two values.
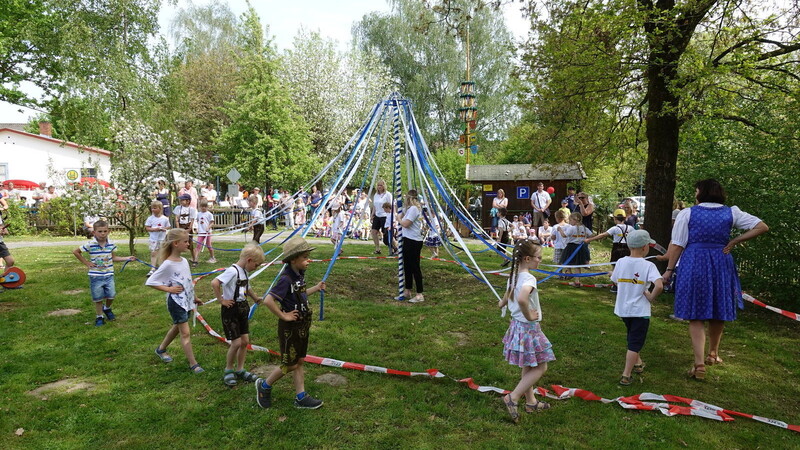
[524, 344]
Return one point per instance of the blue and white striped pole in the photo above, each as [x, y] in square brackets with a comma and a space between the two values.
[398, 195]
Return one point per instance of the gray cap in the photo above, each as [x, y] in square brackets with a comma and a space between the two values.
[638, 239]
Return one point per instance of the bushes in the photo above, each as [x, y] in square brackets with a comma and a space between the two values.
[57, 217]
[16, 218]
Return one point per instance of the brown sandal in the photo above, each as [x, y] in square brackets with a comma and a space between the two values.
[698, 372]
[512, 408]
[536, 407]
[713, 359]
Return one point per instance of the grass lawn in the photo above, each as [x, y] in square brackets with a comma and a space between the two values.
[131, 399]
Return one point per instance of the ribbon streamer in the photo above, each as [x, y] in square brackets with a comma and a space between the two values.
[782, 312]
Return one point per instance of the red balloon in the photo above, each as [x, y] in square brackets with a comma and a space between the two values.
[551, 190]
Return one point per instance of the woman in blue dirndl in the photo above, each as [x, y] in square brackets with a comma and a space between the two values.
[707, 287]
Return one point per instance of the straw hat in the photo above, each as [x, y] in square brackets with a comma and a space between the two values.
[294, 247]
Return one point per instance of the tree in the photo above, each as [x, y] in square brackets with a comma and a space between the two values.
[423, 49]
[266, 139]
[333, 90]
[614, 75]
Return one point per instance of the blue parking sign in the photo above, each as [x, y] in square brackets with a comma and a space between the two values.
[523, 192]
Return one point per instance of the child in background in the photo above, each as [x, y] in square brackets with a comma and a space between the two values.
[101, 270]
[545, 234]
[157, 225]
[185, 217]
[336, 227]
[558, 241]
[390, 232]
[432, 239]
[618, 233]
[205, 222]
[366, 224]
[524, 344]
[503, 233]
[574, 234]
[256, 218]
[565, 207]
[519, 231]
[299, 212]
[633, 275]
[233, 288]
[288, 300]
[175, 278]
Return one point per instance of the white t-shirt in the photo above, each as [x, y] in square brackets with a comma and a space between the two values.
[339, 221]
[185, 214]
[680, 231]
[616, 232]
[558, 241]
[413, 231]
[161, 221]
[257, 216]
[577, 233]
[540, 199]
[544, 233]
[229, 279]
[633, 276]
[204, 221]
[377, 202]
[211, 195]
[525, 279]
[172, 273]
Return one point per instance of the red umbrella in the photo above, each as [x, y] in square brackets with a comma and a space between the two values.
[92, 180]
[22, 184]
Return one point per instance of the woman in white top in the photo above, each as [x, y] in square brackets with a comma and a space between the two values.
[499, 202]
[379, 215]
[411, 220]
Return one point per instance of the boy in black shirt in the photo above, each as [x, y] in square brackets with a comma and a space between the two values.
[288, 300]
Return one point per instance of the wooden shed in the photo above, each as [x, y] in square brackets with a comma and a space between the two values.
[518, 181]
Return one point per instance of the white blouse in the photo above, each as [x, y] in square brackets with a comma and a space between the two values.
[680, 231]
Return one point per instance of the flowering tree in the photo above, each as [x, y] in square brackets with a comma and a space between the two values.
[142, 157]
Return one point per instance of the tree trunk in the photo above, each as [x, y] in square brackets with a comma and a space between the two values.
[663, 128]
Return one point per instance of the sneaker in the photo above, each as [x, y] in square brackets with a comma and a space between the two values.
[212, 260]
[110, 314]
[264, 395]
[99, 322]
[614, 289]
[152, 271]
[194, 264]
[308, 402]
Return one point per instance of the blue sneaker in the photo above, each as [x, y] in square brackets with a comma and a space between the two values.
[308, 402]
[99, 322]
[263, 395]
[110, 314]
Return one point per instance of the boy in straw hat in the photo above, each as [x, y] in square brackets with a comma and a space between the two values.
[288, 300]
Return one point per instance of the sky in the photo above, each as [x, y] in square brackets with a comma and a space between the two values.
[333, 19]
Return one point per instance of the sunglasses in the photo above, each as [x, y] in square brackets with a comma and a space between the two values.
[581, 198]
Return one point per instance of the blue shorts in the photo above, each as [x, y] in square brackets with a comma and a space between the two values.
[637, 332]
[102, 288]
[176, 311]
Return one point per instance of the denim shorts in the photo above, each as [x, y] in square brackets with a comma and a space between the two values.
[176, 311]
[102, 288]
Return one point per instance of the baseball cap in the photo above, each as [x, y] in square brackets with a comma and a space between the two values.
[184, 197]
[619, 213]
[639, 238]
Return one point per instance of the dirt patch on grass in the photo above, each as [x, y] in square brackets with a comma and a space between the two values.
[73, 291]
[461, 338]
[332, 379]
[64, 312]
[264, 370]
[64, 386]
[8, 306]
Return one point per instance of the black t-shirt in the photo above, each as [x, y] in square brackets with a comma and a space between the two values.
[290, 291]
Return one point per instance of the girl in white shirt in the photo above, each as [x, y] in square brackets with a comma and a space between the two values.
[524, 344]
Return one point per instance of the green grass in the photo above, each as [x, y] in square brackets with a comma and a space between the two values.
[137, 401]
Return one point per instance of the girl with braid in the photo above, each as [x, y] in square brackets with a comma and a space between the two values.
[524, 344]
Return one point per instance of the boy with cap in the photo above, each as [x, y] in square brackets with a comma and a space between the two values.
[185, 216]
[633, 275]
[288, 300]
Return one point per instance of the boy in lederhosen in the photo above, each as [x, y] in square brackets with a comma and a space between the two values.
[288, 300]
[232, 288]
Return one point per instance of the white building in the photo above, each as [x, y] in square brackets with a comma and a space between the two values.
[26, 156]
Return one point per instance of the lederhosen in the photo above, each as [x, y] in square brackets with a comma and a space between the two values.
[293, 336]
[258, 230]
[235, 321]
[186, 226]
[620, 249]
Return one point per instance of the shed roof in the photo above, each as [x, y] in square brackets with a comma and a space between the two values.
[519, 172]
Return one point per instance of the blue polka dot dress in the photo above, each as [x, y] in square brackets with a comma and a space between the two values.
[707, 284]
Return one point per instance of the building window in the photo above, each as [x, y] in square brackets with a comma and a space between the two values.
[90, 172]
[3, 171]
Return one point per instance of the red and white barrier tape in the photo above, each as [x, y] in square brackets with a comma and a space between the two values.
[782, 312]
[655, 402]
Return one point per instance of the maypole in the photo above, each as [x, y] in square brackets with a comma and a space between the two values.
[398, 196]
